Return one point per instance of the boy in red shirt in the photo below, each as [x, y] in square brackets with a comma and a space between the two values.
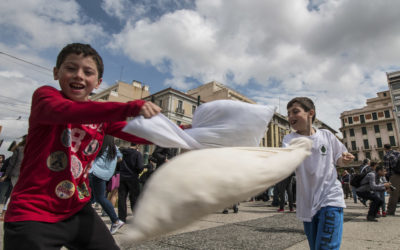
[50, 206]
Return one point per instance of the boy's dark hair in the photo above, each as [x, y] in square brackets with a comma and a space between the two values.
[379, 168]
[387, 146]
[373, 163]
[306, 103]
[79, 48]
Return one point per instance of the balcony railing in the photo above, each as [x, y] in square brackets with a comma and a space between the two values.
[180, 111]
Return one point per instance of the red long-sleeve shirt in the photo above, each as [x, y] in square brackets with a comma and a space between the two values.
[64, 138]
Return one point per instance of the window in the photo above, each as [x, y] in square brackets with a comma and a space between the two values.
[342, 122]
[374, 116]
[263, 142]
[179, 123]
[376, 128]
[368, 155]
[387, 114]
[379, 142]
[380, 154]
[353, 145]
[362, 118]
[345, 144]
[193, 109]
[344, 133]
[392, 141]
[180, 105]
[389, 127]
[396, 85]
[160, 103]
[366, 144]
[355, 157]
[350, 120]
[351, 132]
[384, 93]
[364, 130]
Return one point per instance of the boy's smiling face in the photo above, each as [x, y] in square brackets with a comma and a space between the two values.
[78, 76]
[299, 119]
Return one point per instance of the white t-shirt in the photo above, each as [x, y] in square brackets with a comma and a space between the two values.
[317, 185]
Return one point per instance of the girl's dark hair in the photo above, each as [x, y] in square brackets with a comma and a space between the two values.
[306, 103]
[109, 146]
[79, 48]
[378, 168]
[373, 163]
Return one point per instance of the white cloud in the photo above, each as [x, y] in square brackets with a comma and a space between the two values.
[43, 24]
[337, 52]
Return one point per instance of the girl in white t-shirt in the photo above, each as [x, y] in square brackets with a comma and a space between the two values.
[320, 200]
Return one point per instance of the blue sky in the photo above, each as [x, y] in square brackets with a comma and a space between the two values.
[334, 51]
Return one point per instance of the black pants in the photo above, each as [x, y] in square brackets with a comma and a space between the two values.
[285, 186]
[84, 230]
[127, 186]
[376, 202]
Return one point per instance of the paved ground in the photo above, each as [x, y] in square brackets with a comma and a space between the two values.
[259, 226]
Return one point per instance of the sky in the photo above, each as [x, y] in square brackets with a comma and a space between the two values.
[333, 51]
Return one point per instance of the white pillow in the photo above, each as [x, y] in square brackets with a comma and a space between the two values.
[200, 182]
[223, 123]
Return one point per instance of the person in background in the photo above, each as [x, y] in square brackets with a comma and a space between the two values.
[353, 189]
[380, 174]
[365, 167]
[14, 169]
[131, 167]
[285, 186]
[102, 170]
[390, 160]
[368, 191]
[162, 155]
[346, 184]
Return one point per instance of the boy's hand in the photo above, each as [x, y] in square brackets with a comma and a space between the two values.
[186, 126]
[347, 158]
[149, 110]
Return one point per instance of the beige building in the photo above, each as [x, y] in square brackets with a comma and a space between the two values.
[176, 105]
[122, 92]
[217, 91]
[367, 129]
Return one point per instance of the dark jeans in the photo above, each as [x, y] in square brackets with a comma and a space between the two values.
[376, 202]
[285, 186]
[5, 191]
[127, 186]
[98, 187]
[84, 230]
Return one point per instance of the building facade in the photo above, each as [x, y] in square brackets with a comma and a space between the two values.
[122, 92]
[367, 129]
[393, 79]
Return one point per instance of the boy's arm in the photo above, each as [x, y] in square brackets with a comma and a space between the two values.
[49, 106]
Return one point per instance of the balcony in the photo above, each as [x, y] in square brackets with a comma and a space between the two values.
[180, 111]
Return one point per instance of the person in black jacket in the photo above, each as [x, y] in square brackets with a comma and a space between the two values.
[162, 155]
[130, 168]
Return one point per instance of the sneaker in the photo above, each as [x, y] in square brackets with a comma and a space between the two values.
[235, 209]
[115, 226]
[371, 218]
[281, 210]
[379, 213]
[292, 210]
[383, 214]
[225, 211]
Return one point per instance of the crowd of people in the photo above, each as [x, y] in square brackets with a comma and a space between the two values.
[373, 183]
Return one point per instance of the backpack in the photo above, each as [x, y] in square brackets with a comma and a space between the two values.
[357, 178]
